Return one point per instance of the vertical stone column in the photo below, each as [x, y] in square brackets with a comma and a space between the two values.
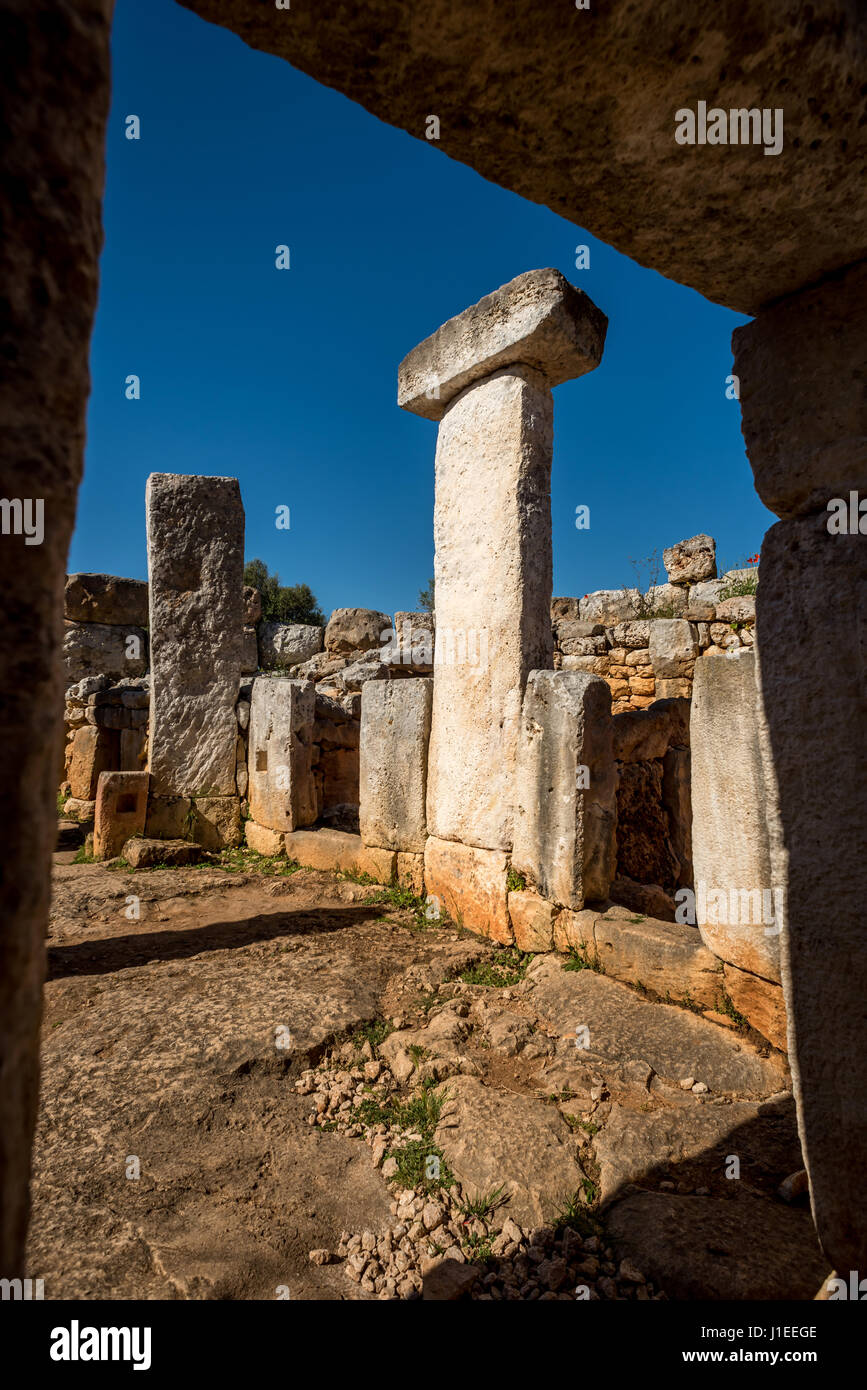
[395, 729]
[802, 369]
[195, 539]
[486, 377]
[54, 80]
[279, 761]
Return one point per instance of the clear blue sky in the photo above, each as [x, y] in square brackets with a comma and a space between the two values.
[287, 379]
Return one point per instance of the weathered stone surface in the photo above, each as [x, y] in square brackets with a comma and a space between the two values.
[693, 1247]
[413, 642]
[740, 609]
[703, 599]
[673, 647]
[104, 598]
[195, 534]
[735, 908]
[664, 956]
[814, 697]
[625, 178]
[252, 606]
[645, 851]
[761, 1003]
[352, 630]
[689, 562]
[144, 854]
[336, 849]
[79, 810]
[446, 1280]
[578, 639]
[647, 899]
[567, 609]
[133, 750]
[623, 1026]
[677, 803]
[91, 649]
[648, 733]
[470, 885]
[283, 645]
[217, 822]
[496, 440]
[93, 751]
[573, 931]
[564, 830]
[280, 777]
[633, 634]
[263, 840]
[675, 688]
[803, 407]
[395, 729]
[610, 606]
[410, 872]
[499, 1138]
[532, 919]
[169, 818]
[667, 601]
[121, 808]
[249, 652]
[537, 320]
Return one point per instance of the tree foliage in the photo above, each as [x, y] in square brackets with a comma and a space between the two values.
[426, 597]
[283, 603]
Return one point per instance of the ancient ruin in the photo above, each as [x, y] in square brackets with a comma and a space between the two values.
[552, 901]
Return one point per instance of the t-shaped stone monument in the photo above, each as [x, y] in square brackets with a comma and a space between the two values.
[486, 376]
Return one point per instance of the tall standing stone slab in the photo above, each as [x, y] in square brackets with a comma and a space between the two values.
[486, 376]
[395, 729]
[281, 789]
[738, 912]
[195, 537]
[566, 809]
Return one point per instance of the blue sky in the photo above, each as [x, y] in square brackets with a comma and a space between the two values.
[287, 379]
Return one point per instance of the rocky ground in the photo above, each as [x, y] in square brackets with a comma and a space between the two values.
[262, 1084]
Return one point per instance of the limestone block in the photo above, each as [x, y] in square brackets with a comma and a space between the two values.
[676, 688]
[566, 608]
[144, 854]
[470, 885]
[573, 639]
[336, 849]
[78, 809]
[703, 599]
[104, 598]
[667, 600]
[642, 734]
[91, 649]
[677, 801]
[492, 525]
[803, 405]
[217, 822]
[564, 832]
[633, 634]
[537, 320]
[410, 872]
[252, 606]
[573, 931]
[667, 957]
[737, 910]
[741, 609]
[673, 647]
[280, 777]
[642, 685]
[169, 818]
[132, 750]
[195, 536]
[532, 919]
[814, 698]
[689, 562]
[94, 751]
[249, 651]
[263, 840]
[610, 606]
[340, 776]
[395, 729]
[355, 630]
[284, 645]
[121, 809]
[761, 1003]
[412, 644]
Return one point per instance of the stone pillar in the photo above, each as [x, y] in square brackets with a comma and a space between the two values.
[54, 79]
[395, 728]
[281, 790]
[566, 788]
[486, 377]
[802, 368]
[121, 810]
[195, 538]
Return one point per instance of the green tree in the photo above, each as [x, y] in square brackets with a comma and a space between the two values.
[283, 603]
[426, 597]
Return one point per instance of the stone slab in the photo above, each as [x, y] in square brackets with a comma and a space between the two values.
[537, 320]
[470, 885]
[281, 789]
[761, 1003]
[337, 849]
[195, 536]
[144, 854]
[395, 730]
[667, 957]
[105, 598]
[120, 812]
[100, 649]
[564, 834]
[492, 529]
